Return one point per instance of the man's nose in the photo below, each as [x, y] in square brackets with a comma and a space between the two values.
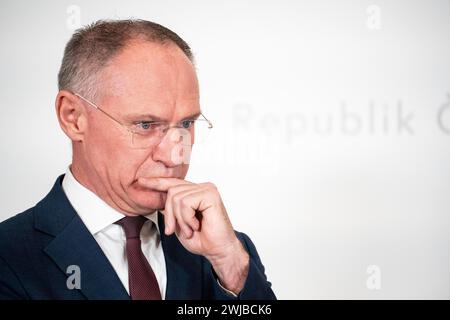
[174, 147]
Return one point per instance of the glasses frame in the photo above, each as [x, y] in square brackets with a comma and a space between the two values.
[166, 126]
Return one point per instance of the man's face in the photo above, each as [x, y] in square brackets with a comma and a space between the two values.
[146, 81]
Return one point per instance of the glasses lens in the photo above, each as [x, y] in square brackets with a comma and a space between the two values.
[186, 133]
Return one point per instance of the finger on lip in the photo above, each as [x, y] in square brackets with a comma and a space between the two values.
[161, 184]
[151, 183]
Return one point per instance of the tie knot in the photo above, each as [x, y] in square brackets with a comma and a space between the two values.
[132, 226]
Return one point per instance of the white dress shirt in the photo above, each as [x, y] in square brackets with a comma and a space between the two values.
[99, 219]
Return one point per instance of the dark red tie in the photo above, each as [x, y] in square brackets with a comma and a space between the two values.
[141, 279]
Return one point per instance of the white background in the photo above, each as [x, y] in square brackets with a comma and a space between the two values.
[309, 150]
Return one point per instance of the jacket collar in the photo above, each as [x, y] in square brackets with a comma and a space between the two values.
[73, 244]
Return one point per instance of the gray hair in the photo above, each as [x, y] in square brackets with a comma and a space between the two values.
[93, 46]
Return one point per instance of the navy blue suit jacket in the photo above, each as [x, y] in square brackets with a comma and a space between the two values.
[38, 245]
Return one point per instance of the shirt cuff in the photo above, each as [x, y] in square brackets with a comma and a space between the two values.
[231, 293]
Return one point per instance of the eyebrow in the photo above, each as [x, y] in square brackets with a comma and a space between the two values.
[141, 116]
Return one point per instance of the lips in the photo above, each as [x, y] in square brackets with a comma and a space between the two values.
[144, 189]
[139, 187]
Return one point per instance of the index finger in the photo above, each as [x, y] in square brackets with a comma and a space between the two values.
[162, 184]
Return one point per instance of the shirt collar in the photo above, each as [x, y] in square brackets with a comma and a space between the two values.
[95, 213]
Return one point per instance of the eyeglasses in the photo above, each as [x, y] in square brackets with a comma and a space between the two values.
[145, 134]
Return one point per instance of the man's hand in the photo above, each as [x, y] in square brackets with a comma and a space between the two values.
[196, 214]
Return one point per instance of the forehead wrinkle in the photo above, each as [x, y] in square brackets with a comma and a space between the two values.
[182, 67]
[168, 73]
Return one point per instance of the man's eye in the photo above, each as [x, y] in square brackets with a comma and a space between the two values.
[186, 124]
[144, 125]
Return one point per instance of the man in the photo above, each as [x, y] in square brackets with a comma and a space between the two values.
[122, 222]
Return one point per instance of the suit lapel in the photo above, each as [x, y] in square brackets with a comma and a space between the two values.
[184, 269]
[74, 245]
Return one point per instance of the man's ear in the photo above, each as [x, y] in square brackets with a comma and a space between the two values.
[71, 115]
